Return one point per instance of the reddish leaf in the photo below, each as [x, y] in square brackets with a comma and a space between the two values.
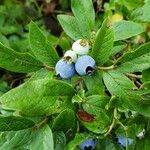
[84, 116]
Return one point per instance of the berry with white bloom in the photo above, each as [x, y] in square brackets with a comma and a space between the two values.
[70, 56]
[85, 65]
[81, 47]
[64, 70]
[88, 144]
[121, 140]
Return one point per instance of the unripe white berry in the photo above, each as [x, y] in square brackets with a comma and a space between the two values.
[81, 47]
[141, 135]
[70, 56]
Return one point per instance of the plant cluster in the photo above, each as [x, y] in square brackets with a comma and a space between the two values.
[101, 98]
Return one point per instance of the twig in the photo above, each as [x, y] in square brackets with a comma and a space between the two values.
[41, 123]
[48, 67]
[134, 75]
[113, 123]
[106, 68]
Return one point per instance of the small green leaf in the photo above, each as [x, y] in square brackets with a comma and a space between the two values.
[72, 27]
[17, 62]
[3, 87]
[119, 85]
[132, 4]
[42, 139]
[94, 83]
[144, 143]
[103, 44]
[126, 29]
[65, 121]
[4, 40]
[136, 65]
[94, 103]
[100, 123]
[77, 141]
[146, 75]
[118, 48]
[142, 13]
[41, 47]
[142, 50]
[59, 140]
[135, 61]
[83, 10]
[12, 123]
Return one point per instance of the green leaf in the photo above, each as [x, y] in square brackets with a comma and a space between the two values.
[77, 141]
[15, 139]
[132, 4]
[38, 97]
[3, 87]
[119, 85]
[135, 61]
[42, 139]
[4, 40]
[146, 75]
[118, 48]
[41, 74]
[12, 123]
[94, 103]
[103, 44]
[17, 62]
[136, 65]
[72, 27]
[83, 10]
[59, 140]
[94, 83]
[126, 29]
[100, 123]
[142, 50]
[144, 143]
[65, 121]
[41, 47]
[142, 13]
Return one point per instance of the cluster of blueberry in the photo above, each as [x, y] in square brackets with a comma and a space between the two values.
[76, 61]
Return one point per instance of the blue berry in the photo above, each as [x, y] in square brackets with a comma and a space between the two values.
[64, 70]
[85, 65]
[122, 141]
[88, 144]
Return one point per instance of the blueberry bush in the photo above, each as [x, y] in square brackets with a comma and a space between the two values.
[88, 89]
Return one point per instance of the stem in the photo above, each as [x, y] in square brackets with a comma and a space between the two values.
[48, 67]
[41, 123]
[113, 123]
[134, 76]
[106, 68]
[110, 102]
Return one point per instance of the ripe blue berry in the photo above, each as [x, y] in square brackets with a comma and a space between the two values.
[121, 140]
[88, 144]
[85, 65]
[64, 70]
